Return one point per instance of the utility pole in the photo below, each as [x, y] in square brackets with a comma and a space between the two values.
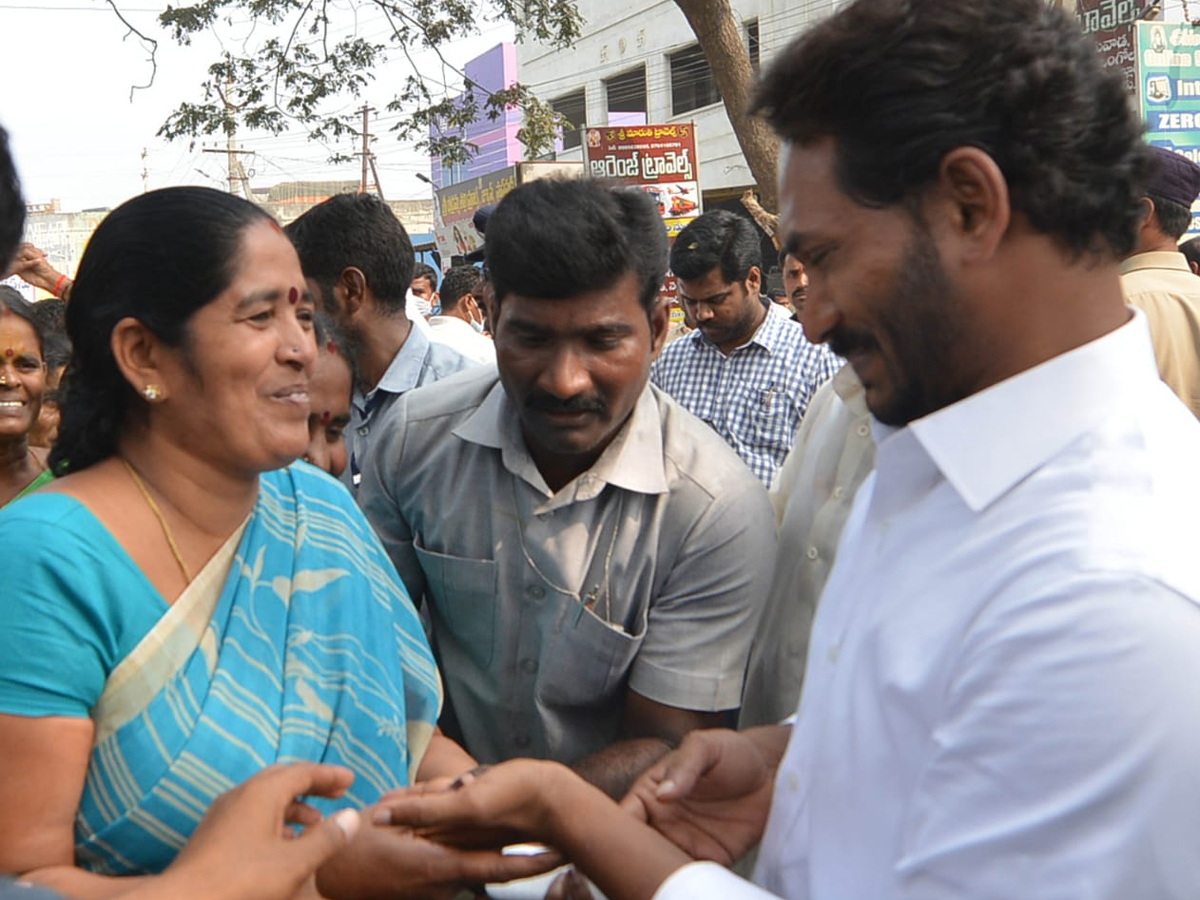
[366, 147]
[368, 158]
[237, 172]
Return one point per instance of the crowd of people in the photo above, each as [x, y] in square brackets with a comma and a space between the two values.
[326, 575]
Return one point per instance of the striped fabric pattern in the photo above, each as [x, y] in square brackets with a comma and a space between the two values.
[312, 652]
[755, 397]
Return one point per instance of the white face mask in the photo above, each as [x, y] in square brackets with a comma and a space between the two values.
[478, 326]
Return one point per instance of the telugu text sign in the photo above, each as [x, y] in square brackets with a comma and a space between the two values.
[660, 159]
[1169, 89]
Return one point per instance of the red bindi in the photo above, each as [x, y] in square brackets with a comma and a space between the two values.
[331, 347]
[9, 353]
[325, 417]
[293, 296]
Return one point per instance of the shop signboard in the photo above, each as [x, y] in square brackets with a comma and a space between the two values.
[1110, 23]
[1169, 90]
[659, 159]
[454, 206]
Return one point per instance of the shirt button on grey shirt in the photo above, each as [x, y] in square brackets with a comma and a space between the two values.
[650, 576]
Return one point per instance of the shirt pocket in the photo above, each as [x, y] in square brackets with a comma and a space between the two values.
[770, 416]
[587, 662]
[462, 597]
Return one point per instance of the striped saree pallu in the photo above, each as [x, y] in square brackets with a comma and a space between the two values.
[296, 643]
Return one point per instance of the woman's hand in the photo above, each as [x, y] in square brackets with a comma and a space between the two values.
[512, 798]
[710, 797]
[390, 862]
[244, 849]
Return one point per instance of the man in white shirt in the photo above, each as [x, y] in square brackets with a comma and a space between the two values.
[1003, 677]
[460, 324]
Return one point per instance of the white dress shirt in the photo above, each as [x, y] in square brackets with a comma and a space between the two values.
[457, 333]
[1002, 697]
[813, 493]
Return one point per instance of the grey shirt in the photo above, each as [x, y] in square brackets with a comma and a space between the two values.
[419, 361]
[648, 571]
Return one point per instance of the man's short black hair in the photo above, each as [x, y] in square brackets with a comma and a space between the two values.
[457, 283]
[1191, 249]
[426, 271]
[360, 231]
[557, 238]
[12, 206]
[717, 239]
[899, 83]
[1174, 219]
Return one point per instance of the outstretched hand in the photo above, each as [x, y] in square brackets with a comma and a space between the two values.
[436, 838]
[244, 848]
[710, 797]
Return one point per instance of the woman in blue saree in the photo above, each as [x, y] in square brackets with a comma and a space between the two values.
[185, 606]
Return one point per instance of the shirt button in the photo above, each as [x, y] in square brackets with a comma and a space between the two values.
[833, 654]
[364, 430]
[864, 430]
[839, 492]
[529, 666]
[522, 741]
[812, 553]
[793, 782]
[536, 591]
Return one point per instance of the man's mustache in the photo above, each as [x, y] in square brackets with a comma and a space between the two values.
[846, 341]
[580, 403]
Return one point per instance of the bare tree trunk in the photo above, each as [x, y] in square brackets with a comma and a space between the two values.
[720, 35]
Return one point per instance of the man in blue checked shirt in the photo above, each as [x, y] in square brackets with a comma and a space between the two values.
[746, 373]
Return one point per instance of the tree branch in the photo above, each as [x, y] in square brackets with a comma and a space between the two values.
[153, 47]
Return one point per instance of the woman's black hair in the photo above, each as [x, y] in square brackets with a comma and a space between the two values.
[12, 301]
[159, 258]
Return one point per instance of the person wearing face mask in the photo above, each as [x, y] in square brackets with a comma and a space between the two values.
[460, 324]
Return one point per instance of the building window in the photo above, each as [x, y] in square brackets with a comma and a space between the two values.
[573, 108]
[752, 44]
[692, 84]
[626, 97]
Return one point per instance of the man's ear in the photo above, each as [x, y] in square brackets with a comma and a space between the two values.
[138, 354]
[352, 288]
[660, 322]
[974, 192]
[472, 308]
[754, 281]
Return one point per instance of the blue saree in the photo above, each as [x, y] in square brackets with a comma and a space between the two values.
[296, 642]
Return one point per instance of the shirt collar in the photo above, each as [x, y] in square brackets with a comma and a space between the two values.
[849, 389]
[625, 463]
[1044, 408]
[404, 371]
[1155, 259]
[768, 335]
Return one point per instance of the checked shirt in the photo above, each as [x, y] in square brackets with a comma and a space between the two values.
[755, 397]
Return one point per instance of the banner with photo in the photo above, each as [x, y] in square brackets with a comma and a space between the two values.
[660, 159]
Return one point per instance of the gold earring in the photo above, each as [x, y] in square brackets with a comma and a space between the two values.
[152, 392]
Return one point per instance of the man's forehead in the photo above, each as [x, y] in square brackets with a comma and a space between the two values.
[811, 205]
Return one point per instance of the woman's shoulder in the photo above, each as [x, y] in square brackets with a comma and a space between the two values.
[46, 510]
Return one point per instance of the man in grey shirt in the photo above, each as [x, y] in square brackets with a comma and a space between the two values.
[593, 557]
[359, 262]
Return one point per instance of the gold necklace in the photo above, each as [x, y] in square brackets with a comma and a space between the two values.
[166, 529]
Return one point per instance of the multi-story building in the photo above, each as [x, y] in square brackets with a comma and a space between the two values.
[641, 63]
